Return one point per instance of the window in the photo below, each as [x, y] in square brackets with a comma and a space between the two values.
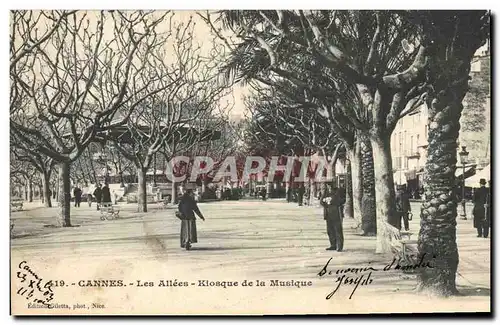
[397, 162]
[400, 143]
[418, 140]
[405, 142]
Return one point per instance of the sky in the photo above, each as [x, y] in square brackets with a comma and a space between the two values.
[202, 35]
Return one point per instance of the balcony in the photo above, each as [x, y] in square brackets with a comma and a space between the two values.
[412, 154]
[423, 145]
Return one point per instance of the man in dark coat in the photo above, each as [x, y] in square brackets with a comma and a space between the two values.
[188, 207]
[106, 195]
[98, 195]
[300, 194]
[263, 193]
[77, 193]
[289, 194]
[481, 205]
[342, 195]
[403, 208]
[331, 202]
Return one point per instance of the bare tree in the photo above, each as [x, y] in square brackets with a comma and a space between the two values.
[190, 90]
[70, 73]
[41, 163]
[356, 53]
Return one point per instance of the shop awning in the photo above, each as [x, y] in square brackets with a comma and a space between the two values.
[468, 171]
[474, 180]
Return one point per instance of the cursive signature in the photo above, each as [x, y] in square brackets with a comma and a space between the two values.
[32, 286]
[362, 276]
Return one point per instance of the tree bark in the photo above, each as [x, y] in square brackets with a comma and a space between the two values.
[30, 191]
[357, 182]
[312, 191]
[64, 194]
[154, 170]
[174, 192]
[384, 188]
[437, 238]
[142, 202]
[368, 211]
[47, 198]
[348, 207]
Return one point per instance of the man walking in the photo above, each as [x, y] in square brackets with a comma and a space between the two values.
[481, 210]
[403, 208]
[300, 194]
[98, 195]
[77, 193]
[106, 195]
[330, 200]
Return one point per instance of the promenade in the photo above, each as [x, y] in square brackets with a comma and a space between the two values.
[239, 240]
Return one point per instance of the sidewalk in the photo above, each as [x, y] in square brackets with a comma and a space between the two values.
[242, 240]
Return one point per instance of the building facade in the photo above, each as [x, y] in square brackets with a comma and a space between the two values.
[409, 138]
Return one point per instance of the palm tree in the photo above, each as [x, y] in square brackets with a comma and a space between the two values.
[452, 38]
[369, 217]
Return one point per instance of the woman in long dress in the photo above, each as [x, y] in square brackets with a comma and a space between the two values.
[188, 208]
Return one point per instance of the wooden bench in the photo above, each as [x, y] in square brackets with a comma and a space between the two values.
[16, 205]
[165, 203]
[401, 246]
[108, 211]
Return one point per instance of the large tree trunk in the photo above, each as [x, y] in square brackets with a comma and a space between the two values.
[64, 194]
[154, 170]
[174, 192]
[369, 216]
[384, 188]
[437, 237]
[142, 202]
[312, 191]
[348, 207]
[47, 199]
[25, 193]
[357, 182]
[30, 191]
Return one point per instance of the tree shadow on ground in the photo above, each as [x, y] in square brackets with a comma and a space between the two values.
[131, 217]
[23, 236]
[216, 248]
[233, 248]
[474, 291]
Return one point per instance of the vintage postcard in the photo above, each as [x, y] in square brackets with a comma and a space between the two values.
[249, 162]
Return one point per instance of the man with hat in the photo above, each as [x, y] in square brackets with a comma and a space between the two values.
[403, 208]
[481, 204]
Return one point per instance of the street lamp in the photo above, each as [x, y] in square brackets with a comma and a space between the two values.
[463, 159]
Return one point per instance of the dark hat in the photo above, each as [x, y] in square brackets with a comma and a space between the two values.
[482, 181]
